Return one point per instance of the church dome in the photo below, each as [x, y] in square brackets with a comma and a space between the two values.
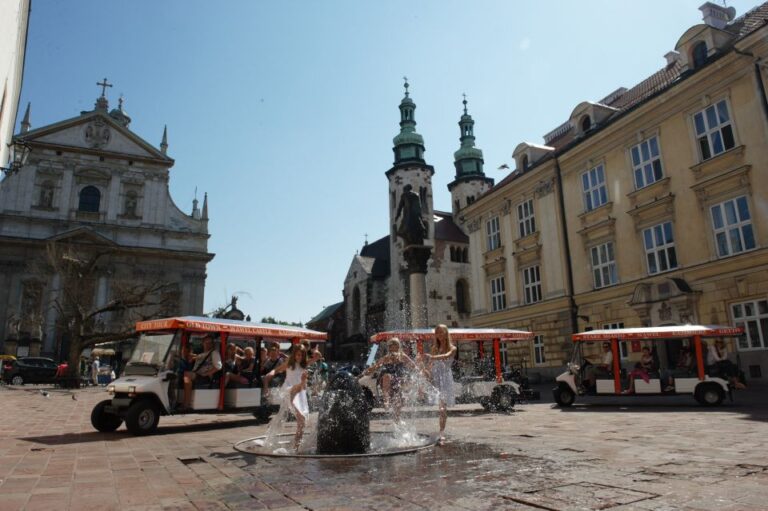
[119, 115]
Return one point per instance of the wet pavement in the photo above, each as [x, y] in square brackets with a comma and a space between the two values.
[617, 454]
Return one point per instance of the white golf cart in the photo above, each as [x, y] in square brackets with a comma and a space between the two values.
[151, 384]
[474, 382]
[707, 389]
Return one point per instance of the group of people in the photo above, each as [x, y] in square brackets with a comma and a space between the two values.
[436, 365]
[717, 362]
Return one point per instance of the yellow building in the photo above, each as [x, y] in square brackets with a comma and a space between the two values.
[648, 207]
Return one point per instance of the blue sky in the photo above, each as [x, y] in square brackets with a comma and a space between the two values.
[284, 111]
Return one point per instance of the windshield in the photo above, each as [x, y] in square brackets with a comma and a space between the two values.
[152, 349]
[372, 355]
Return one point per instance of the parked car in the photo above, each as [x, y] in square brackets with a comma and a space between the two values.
[29, 370]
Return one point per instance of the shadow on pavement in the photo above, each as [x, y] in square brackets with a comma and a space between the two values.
[747, 410]
[95, 436]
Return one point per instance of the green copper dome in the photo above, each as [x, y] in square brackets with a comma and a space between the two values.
[408, 145]
[468, 160]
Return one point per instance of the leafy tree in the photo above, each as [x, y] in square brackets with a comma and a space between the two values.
[272, 321]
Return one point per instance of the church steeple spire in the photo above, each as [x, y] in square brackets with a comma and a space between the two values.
[470, 181]
[164, 142]
[25, 124]
[408, 145]
[468, 160]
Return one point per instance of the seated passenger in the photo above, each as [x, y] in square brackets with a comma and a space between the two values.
[718, 363]
[246, 368]
[683, 368]
[603, 369]
[232, 366]
[274, 359]
[207, 365]
[641, 370]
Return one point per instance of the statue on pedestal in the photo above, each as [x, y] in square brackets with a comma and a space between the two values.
[412, 228]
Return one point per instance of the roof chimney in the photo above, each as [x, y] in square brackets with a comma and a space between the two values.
[717, 16]
[672, 57]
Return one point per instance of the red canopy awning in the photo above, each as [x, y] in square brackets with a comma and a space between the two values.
[230, 326]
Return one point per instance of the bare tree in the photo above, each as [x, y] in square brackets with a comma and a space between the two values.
[87, 322]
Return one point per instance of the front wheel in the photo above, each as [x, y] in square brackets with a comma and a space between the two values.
[503, 398]
[564, 395]
[142, 418]
[709, 395]
[103, 421]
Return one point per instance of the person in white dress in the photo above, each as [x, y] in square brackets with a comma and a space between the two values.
[440, 361]
[295, 388]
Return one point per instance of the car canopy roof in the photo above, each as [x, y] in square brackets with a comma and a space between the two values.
[659, 333]
[457, 335]
[230, 326]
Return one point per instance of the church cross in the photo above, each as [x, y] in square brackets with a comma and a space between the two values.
[104, 86]
[366, 238]
[405, 78]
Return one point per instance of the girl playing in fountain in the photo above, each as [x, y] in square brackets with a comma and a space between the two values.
[295, 388]
[393, 369]
[441, 360]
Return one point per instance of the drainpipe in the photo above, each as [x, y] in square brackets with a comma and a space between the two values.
[566, 247]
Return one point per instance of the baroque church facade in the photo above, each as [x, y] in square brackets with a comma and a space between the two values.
[90, 182]
[376, 288]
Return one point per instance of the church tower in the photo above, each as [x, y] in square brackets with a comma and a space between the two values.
[470, 181]
[409, 168]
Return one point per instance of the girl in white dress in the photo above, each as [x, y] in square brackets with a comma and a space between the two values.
[295, 388]
[441, 359]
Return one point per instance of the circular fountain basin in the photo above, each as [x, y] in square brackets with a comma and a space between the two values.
[383, 443]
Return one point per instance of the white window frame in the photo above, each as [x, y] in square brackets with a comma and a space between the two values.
[539, 357]
[532, 284]
[732, 230]
[711, 129]
[594, 190]
[623, 345]
[525, 218]
[498, 293]
[752, 316]
[659, 243]
[646, 162]
[493, 233]
[605, 267]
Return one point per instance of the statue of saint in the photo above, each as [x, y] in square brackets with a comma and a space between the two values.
[412, 228]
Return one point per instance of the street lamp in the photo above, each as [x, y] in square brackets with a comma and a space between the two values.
[19, 153]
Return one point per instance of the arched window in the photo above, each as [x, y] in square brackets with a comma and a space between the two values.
[586, 123]
[465, 255]
[453, 254]
[90, 198]
[524, 162]
[699, 54]
[462, 297]
[356, 309]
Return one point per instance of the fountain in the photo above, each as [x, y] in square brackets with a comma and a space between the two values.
[343, 425]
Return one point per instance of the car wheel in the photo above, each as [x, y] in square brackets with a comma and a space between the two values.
[564, 395]
[503, 398]
[709, 395]
[17, 380]
[103, 421]
[142, 418]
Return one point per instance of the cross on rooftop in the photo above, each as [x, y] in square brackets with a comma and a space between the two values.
[104, 86]
[405, 78]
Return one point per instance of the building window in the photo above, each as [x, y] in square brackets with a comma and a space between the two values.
[646, 162]
[753, 318]
[603, 265]
[470, 199]
[532, 284]
[699, 54]
[660, 248]
[525, 218]
[465, 255]
[524, 162]
[462, 297]
[732, 225]
[493, 234]
[498, 296]
[586, 123]
[714, 131]
[90, 198]
[623, 345]
[593, 184]
[538, 350]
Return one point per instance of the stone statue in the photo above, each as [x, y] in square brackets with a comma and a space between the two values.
[12, 326]
[130, 205]
[46, 197]
[412, 228]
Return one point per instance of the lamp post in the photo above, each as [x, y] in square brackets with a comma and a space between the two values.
[19, 153]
